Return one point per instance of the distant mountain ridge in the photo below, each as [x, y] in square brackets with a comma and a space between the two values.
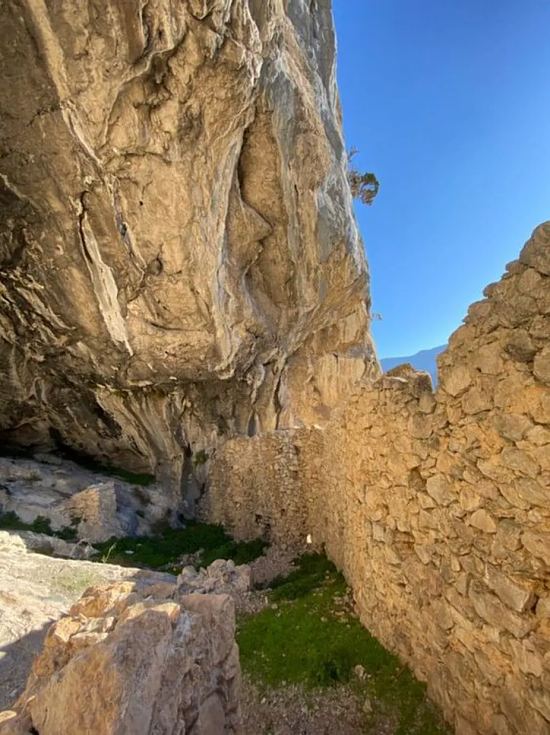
[423, 360]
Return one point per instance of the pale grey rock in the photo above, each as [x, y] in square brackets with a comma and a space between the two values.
[95, 506]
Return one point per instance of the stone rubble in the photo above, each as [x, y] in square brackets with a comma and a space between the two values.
[220, 577]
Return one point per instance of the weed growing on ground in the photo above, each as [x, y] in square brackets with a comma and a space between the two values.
[309, 636]
[11, 522]
[165, 549]
[74, 582]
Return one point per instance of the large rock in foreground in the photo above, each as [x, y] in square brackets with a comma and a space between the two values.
[135, 661]
[37, 590]
[178, 254]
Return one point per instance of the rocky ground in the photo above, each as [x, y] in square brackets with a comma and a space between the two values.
[309, 668]
[291, 710]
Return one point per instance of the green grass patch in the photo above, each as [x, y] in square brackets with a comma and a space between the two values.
[11, 522]
[165, 549]
[309, 636]
[312, 570]
[74, 582]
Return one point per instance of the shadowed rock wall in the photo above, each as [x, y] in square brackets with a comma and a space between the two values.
[178, 254]
[435, 506]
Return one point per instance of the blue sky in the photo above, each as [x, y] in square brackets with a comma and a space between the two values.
[448, 102]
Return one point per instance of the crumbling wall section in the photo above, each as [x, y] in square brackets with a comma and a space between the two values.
[435, 506]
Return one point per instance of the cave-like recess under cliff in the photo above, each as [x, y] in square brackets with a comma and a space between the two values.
[179, 260]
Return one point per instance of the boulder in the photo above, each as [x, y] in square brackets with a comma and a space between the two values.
[135, 661]
[36, 590]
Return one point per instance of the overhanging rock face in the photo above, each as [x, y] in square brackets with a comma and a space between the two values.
[178, 254]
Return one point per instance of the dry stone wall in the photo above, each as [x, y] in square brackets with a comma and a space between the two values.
[435, 505]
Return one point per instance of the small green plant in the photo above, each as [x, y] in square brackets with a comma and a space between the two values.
[42, 525]
[107, 555]
[74, 582]
[10, 522]
[200, 457]
[364, 185]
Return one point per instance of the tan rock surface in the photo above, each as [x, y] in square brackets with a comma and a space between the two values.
[178, 254]
[136, 660]
[36, 590]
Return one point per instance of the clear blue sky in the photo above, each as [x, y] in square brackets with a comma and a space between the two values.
[449, 104]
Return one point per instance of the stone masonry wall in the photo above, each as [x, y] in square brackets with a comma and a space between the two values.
[436, 506]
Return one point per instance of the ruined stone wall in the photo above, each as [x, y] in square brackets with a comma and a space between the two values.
[435, 506]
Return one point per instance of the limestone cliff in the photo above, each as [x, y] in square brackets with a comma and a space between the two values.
[178, 254]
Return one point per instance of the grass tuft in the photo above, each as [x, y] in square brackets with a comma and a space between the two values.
[312, 570]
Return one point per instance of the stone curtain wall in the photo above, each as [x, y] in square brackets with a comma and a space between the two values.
[435, 506]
